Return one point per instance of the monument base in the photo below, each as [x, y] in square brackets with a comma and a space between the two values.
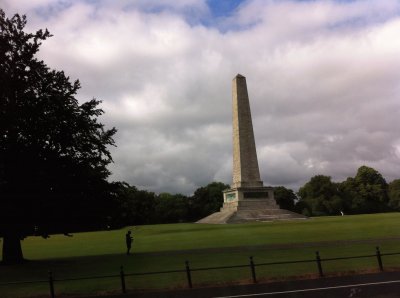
[248, 205]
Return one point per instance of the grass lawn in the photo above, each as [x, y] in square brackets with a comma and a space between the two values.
[166, 247]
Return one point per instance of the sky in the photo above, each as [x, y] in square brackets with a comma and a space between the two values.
[323, 79]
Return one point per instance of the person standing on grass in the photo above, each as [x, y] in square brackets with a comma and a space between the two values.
[128, 239]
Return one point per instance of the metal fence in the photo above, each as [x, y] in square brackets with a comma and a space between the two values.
[251, 265]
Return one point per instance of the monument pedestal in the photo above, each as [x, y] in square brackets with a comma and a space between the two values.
[237, 195]
[248, 205]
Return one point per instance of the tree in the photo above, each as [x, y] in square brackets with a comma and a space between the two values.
[285, 197]
[123, 205]
[207, 200]
[394, 194]
[53, 150]
[366, 192]
[321, 196]
[171, 208]
[133, 206]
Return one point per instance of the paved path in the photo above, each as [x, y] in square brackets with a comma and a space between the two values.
[377, 285]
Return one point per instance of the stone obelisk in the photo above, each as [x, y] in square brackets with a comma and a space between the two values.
[246, 182]
[247, 199]
[245, 165]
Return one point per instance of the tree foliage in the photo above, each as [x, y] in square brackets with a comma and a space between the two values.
[394, 194]
[207, 200]
[171, 208]
[366, 192]
[285, 197]
[53, 150]
[321, 195]
[132, 206]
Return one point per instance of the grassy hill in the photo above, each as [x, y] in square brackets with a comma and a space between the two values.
[167, 247]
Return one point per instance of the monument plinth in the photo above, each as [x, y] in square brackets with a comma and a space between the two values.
[248, 199]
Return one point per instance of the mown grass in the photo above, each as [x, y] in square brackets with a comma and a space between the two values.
[167, 247]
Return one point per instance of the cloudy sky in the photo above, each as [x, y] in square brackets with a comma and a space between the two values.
[323, 80]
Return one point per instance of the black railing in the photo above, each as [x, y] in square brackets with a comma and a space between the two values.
[251, 265]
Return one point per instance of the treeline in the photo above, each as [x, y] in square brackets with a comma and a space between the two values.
[367, 192]
[136, 207]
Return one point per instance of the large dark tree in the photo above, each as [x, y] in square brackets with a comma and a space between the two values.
[53, 150]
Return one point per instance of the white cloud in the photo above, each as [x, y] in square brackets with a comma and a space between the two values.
[322, 76]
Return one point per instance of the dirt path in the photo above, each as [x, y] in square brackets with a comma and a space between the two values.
[373, 242]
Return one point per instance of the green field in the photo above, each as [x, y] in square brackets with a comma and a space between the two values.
[167, 247]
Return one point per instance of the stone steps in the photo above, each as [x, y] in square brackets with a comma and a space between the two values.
[231, 215]
[250, 210]
[265, 214]
[218, 217]
[258, 212]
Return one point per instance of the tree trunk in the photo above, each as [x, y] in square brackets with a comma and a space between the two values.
[12, 250]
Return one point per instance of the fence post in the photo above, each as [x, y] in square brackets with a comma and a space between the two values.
[188, 274]
[253, 270]
[319, 264]
[122, 275]
[51, 284]
[379, 257]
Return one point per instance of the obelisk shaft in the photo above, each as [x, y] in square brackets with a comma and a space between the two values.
[245, 165]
